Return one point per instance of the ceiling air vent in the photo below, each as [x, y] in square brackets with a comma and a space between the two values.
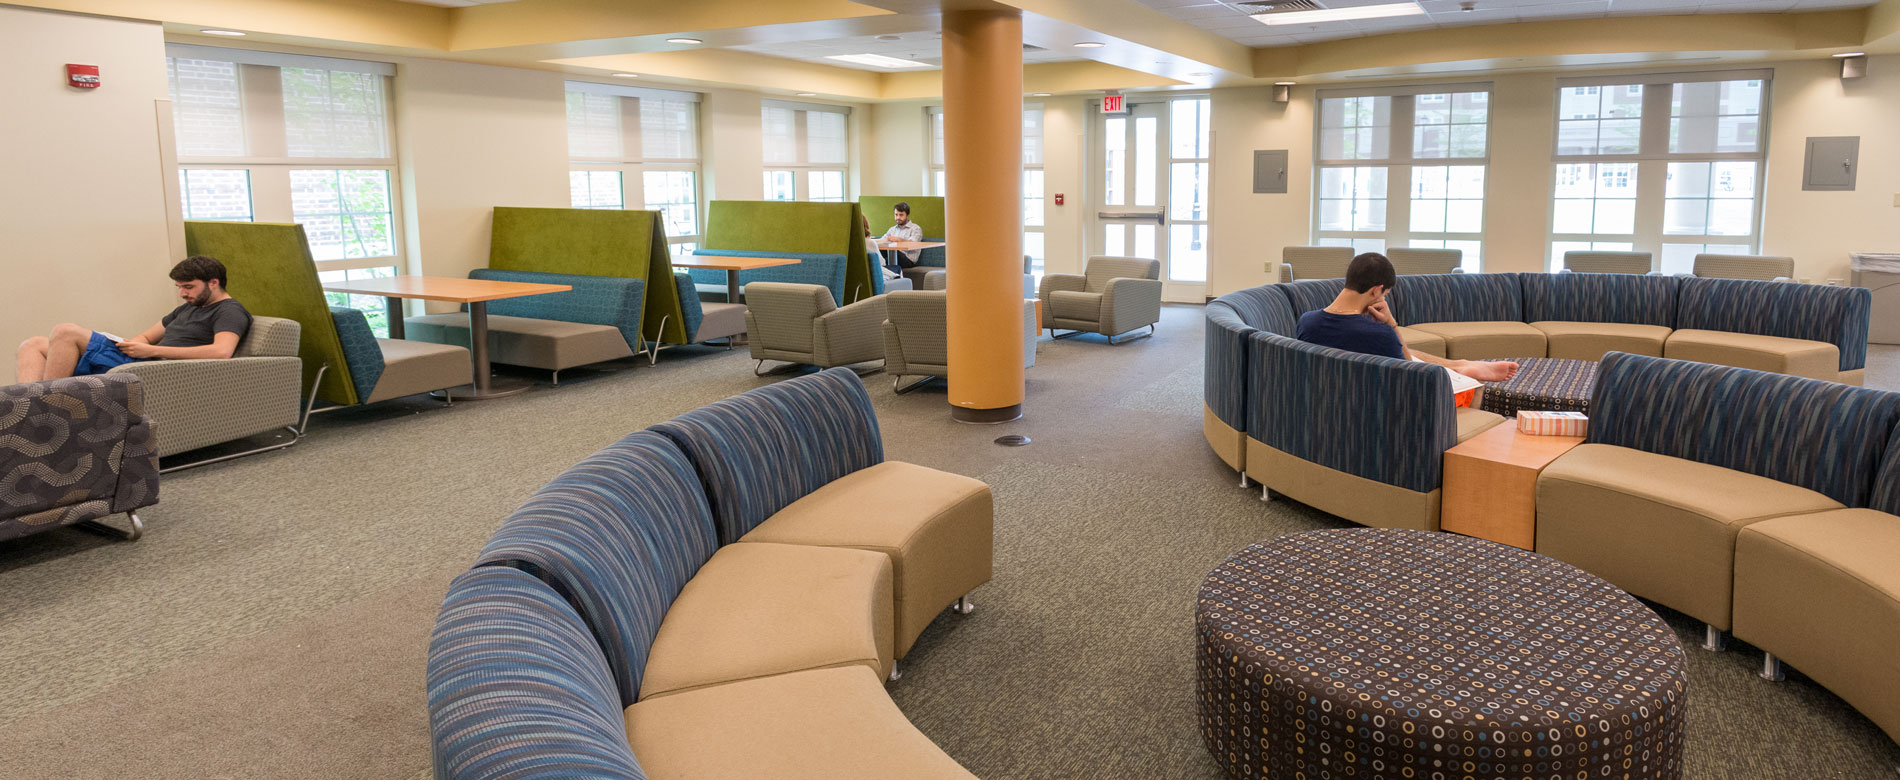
[1033, 47]
[1277, 6]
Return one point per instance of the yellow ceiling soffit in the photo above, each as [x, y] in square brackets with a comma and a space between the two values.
[371, 22]
[1883, 26]
[560, 21]
[1707, 32]
[720, 67]
[1055, 77]
[1136, 23]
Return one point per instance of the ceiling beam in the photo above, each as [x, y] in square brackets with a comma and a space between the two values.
[567, 22]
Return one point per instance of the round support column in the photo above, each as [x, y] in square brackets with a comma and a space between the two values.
[983, 170]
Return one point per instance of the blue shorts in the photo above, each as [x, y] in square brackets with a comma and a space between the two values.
[102, 354]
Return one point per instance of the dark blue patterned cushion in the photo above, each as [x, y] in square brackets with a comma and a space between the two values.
[1309, 294]
[619, 534]
[1458, 298]
[360, 350]
[1633, 299]
[1824, 436]
[1836, 315]
[1886, 494]
[689, 305]
[1376, 417]
[759, 451]
[518, 689]
[826, 270]
[595, 300]
[934, 257]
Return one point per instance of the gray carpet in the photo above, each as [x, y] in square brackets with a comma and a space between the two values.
[273, 621]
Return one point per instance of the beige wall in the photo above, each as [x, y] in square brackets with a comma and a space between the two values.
[82, 214]
[1819, 229]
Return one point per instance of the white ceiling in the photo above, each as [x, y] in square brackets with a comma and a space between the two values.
[920, 46]
[1223, 18]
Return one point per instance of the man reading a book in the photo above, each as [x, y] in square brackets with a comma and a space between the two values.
[1360, 320]
[208, 325]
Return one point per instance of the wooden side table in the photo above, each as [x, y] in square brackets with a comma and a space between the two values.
[1491, 483]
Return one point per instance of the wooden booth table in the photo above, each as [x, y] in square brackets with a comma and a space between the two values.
[732, 266]
[475, 293]
[1491, 483]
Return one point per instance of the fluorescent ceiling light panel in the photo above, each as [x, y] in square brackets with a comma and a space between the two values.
[877, 61]
[1341, 14]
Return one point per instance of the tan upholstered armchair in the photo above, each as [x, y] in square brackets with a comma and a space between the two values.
[1762, 268]
[1113, 296]
[199, 403]
[1314, 262]
[1606, 262]
[1413, 260]
[800, 323]
[916, 336]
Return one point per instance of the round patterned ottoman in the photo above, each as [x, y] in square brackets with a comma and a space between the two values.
[1543, 385]
[1387, 653]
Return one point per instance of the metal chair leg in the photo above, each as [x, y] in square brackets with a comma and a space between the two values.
[138, 527]
[1771, 668]
[898, 379]
[1714, 640]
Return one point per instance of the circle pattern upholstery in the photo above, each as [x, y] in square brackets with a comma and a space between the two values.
[1390, 653]
[1544, 385]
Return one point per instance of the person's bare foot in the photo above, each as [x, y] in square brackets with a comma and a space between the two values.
[1488, 370]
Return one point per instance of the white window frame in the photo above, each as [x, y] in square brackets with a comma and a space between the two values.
[934, 175]
[633, 163]
[802, 168]
[1652, 166]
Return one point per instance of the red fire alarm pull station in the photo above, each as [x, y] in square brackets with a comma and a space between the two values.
[1058, 198]
[1112, 104]
[82, 76]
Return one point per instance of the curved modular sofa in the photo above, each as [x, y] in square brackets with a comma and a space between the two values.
[720, 596]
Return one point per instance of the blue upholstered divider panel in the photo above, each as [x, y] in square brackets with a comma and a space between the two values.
[1836, 315]
[1824, 436]
[1634, 299]
[820, 269]
[595, 300]
[518, 689]
[1309, 294]
[689, 304]
[1458, 298]
[1375, 417]
[1886, 494]
[936, 256]
[359, 348]
[1224, 373]
[759, 451]
[619, 534]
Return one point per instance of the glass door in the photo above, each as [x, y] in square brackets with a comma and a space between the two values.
[1155, 151]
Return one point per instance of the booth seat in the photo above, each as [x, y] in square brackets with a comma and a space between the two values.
[717, 597]
[598, 320]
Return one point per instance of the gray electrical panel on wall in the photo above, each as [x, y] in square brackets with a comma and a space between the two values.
[1269, 170]
[1832, 162]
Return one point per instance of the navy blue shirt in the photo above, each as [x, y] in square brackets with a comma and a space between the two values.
[1350, 332]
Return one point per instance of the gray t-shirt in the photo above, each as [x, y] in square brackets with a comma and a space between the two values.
[192, 325]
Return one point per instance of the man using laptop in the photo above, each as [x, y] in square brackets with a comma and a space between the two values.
[209, 324]
[1360, 320]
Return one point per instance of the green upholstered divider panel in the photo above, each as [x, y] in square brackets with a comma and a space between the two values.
[795, 226]
[925, 210]
[273, 275]
[593, 242]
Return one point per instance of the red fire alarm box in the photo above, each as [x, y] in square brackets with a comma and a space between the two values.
[1058, 198]
[1112, 104]
[82, 76]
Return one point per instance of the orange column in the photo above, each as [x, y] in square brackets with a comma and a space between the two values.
[983, 169]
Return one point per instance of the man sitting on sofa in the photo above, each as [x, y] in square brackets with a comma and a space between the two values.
[208, 325]
[1360, 320]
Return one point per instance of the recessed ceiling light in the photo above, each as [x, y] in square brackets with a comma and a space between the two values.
[688, 41]
[1039, 94]
[1090, 45]
[889, 38]
[1341, 14]
[1284, 83]
[1842, 54]
[877, 60]
[1200, 75]
[231, 33]
[626, 75]
[806, 94]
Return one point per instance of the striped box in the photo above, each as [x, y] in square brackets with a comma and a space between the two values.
[1553, 423]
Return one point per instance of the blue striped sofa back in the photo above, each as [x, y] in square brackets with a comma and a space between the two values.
[1375, 417]
[826, 270]
[518, 688]
[1458, 298]
[1633, 299]
[1836, 315]
[759, 451]
[1309, 294]
[619, 534]
[1886, 495]
[1230, 319]
[615, 301]
[1824, 436]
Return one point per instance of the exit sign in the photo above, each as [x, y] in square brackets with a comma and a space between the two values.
[1114, 104]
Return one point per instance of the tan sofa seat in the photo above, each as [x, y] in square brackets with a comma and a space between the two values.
[762, 609]
[934, 526]
[1593, 340]
[1485, 340]
[1472, 422]
[1822, 592]
[525, 341]
[1659, 527]
[829, 724]
[1420, 341]
[411, 367]
[1796, 357]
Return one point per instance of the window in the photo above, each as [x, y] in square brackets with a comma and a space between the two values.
[1189, 150]
[636, 148]
[1404, 167]
[291, 138]
[1033, 195]
[1669, 165]
[807, 151]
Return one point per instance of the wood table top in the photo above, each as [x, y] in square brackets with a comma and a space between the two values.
[1505, 444]
[721, 263]
[443, 288]
[909, 246]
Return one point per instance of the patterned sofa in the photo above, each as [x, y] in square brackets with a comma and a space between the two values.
[73, 451]
[598, 320]
[1751, 501]
[720, 596]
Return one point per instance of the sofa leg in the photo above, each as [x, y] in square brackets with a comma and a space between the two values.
[1243, 481]
[897, 380]
[895, 674]
[138, 528]
[1266, 493]
[1071, 334]
[963, 606]
[1136, 337]
[557, 377]
[1771, 668]
[1714, 640]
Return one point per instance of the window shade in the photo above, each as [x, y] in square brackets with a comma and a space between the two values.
[781, 135]
[207, 107]
[593, 126]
